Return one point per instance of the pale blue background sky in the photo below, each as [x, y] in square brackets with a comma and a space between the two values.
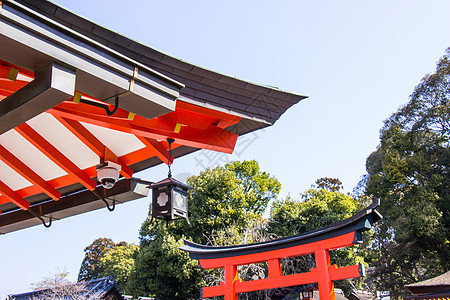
[358, 61]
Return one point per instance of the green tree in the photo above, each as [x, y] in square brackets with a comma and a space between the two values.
[230, 196]
[118, 262]
[91, 268]
[317, 208]
[163, 270]
[409, 173]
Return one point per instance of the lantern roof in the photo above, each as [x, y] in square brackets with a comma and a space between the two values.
[170, 181]
[74, 94]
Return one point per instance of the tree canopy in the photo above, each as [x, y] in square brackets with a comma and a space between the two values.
[104, 257]
[119, 262]
[91, 268]
[409, 172]
[318, 207]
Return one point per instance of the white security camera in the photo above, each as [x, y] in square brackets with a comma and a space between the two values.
[108, 174]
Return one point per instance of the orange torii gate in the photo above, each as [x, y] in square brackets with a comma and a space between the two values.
[318, 242]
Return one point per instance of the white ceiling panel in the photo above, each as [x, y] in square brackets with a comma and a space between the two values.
[13, 180]
[66, 142]
[30, 155]
[120, 143]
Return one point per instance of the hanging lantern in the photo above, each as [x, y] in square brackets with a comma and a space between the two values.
[170, 196]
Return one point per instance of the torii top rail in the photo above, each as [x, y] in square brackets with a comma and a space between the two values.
[317, 242]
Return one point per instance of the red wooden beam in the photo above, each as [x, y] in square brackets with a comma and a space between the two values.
[274, 267]
[5, 93]
[160, 151]
[12, 86]
[271, 283]
[5, 72]
[55, 155]
[326, 285]
[231, 278]
[13, 197]
[94, 144]
[21, 168]
[213, 138]
[225, 119]
[346, 272]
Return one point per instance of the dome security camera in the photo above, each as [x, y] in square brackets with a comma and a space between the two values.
[108, 174]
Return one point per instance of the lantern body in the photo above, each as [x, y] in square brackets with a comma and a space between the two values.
[170, 200]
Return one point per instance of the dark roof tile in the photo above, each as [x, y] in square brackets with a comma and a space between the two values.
[206, 73]
[283, 103]
[175, 77]
[239, 91]
[161, 67]
[277, 94]
[257, 88]
[215, 83]
[294, 98]
[83, 26]
[122, 41]
[245, 100]
[198, 86]
[103, 33]
[125, 50]
[233, 104]
[209, 97]
[147, 51]
[223, 94]
[44, 6]
[177, 64]
[232, 81]
[187, 75]
[188, 91]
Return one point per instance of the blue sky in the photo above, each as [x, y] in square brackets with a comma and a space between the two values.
[358, 61]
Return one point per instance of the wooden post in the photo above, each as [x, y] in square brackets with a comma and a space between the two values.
[326, 285]
[231, 276]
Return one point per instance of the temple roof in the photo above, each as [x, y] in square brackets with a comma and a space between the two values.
[74, 95]
[441, 280]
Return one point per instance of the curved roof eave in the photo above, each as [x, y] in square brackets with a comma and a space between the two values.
[256, 103]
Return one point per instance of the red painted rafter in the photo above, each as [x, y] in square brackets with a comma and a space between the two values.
[223, 119]
[12, 86]
[94, 144]
[21, 168]
[5, 93]
[13, 197]
[213, 138]
[55, 155]
[161, 152]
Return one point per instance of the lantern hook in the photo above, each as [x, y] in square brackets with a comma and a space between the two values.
[106, 202]
[41, 219]
[169, 163]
